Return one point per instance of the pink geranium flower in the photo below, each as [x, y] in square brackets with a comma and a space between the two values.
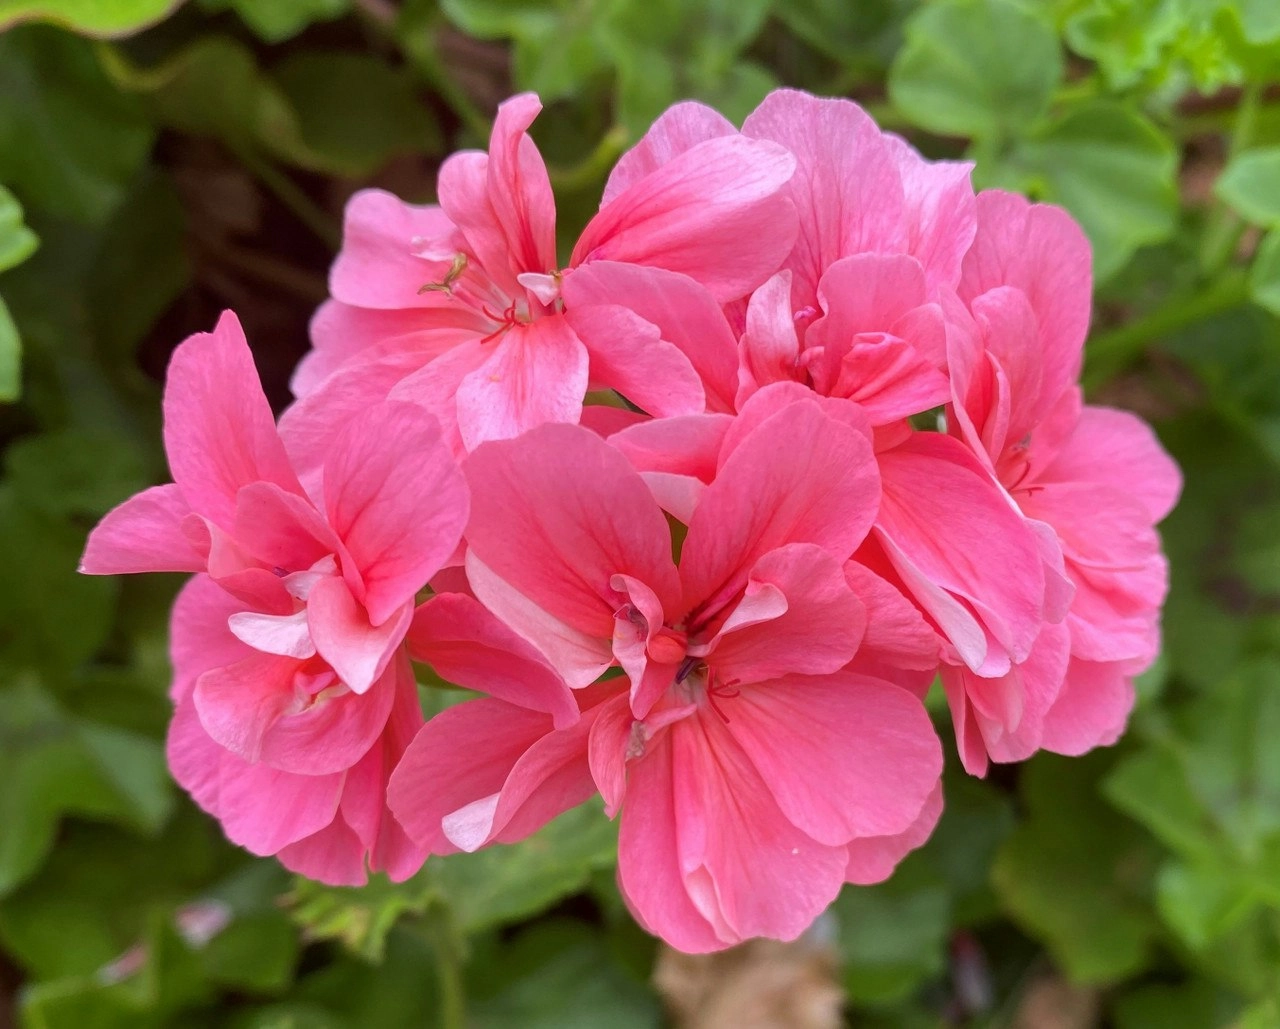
[754, 771]
[855, 313]
[460, 306]
[292, 683]
[1092, 483]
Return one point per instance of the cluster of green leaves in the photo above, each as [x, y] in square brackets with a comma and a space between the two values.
[159, 161]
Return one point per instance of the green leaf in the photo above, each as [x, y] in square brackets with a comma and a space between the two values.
[856, 35]
[893, 936]
[1250, 185]
[256, 953]
[1197, 1004]
[354, 110]
[556, 50]
[980, 68]
[17, 242]
[555, 976]
[50, 616]
[52, 765]
[490, 887]
[507, 883]
[73, 473]
[142, 255]
[69, 142]
[1264, 274]
[1076, 874]
[1112, 169]
[277, 20]
[88, 17]
[1202, 903]
[10, 357]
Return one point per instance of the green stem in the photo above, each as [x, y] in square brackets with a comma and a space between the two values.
[288, 193]
[592, 168]
[1111, 352]
[453, 996]
[1224, 229]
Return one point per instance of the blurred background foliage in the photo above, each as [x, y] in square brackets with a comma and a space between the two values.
[161, 161]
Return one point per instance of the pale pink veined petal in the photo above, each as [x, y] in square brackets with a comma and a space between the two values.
[469, 646]
[799, 477]
[716, 212]
[872, 859]
[1092, 708]
[144, 534]
[356, 650]
[397, 500]
[535, 373]
[679, 128]
[817, 630]
[745, 865]
[556, 514]
[1118, 449]
[627, 354]
[579, 657]
[519, 187]
[843, 755]
[649, 871]
[1040, 250]
[846, 188]
[378, 266]
[199, 637]
[219, 433]
[952, 528]
[939, 209]
[687, 316]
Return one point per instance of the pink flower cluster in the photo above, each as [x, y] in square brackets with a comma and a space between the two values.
[852, 459]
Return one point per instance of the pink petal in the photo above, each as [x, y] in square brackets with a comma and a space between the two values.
[1118, 449]
[556, 514]
[356, 650]
[897, 635]
[939, 209]
[676, 456]
[1009, 710]
[951, 533]
[746, 866]
[769, 348]
[536, 373]
[879, 346]
[519, 188]
[715, 212]
[1092, 708]
[580, 658]
[260, 808]
[485, 769]
[799, 477]
[310, 426]
[687, 316]
[199, 638]
[144, 534]
[847, 189]
[218, 430]
[679, 128]
[843, 755]
[872, 859]
[467, 645]
[279, 530]
[381, 236]
[627, 354]
[816, 632]
[1040, 250]
[239, 703]
[649, 871]
[397, 500]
